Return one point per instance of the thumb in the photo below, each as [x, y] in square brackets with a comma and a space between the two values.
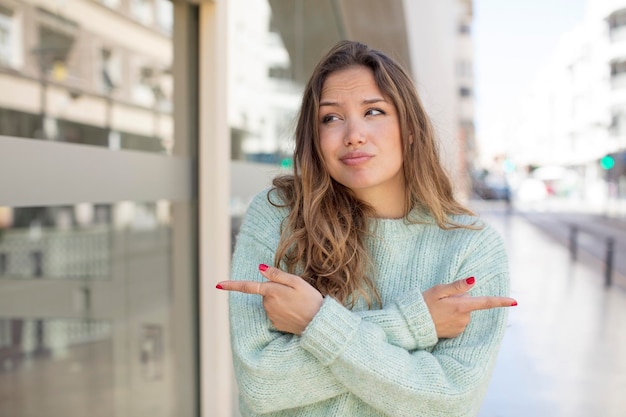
[458, 287]
[278, 276]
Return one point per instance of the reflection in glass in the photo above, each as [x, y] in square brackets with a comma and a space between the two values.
[56, 367]
[76, 242]
[264, 96]
[88, 300]
[86, 310]
[68, 80]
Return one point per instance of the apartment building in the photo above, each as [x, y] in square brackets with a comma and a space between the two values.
[573, 114]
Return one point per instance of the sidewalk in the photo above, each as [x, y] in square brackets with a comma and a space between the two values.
[593, 237]
[563, 353]
[614, 209]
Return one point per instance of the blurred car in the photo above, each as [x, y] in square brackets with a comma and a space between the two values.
[493, 187]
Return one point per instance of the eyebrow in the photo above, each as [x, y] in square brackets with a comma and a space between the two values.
[366, 101]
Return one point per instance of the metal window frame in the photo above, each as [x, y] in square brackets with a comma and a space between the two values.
[46, 173]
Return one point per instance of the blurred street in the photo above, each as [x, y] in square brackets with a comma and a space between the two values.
[563, 353]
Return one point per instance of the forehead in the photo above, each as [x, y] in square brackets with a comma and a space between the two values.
[351, 80]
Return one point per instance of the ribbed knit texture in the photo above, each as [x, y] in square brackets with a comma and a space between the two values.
[359, 362]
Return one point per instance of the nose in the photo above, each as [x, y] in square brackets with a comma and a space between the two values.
[355, 133]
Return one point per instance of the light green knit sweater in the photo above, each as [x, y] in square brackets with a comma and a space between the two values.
[361, 362]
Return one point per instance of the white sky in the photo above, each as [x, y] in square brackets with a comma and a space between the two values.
[513, 39]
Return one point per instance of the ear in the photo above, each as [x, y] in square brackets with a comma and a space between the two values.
[411, 138]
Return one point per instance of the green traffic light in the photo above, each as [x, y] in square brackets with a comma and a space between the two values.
[607, 162]
[286, 163]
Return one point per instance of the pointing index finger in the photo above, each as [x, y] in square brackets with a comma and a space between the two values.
[248, 287]
[486, 302]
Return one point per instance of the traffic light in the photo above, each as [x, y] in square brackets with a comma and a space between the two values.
[286, 163]
[509, 166]
[607, 162]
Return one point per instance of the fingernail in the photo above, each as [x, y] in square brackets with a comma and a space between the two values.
[263, 267]
[219, 287]
[470, 280]
[514, 303]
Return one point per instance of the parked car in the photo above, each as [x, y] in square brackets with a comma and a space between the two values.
[493, 187]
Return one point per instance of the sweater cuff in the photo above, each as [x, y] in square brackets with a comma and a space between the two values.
[418, 319]
[330, 331]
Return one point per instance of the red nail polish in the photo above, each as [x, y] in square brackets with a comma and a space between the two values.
[219, 287]
[263, 267]
[470, 280]
[514, 303]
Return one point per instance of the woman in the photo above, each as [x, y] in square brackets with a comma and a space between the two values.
[366, 310]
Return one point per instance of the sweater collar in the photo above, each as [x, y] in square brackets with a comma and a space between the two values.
[403, 227]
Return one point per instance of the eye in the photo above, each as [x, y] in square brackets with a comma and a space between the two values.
[329, 118]
[374, 112]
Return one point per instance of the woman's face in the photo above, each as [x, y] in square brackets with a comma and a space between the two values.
[360, 138]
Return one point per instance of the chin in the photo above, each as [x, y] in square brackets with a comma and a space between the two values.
[356, 185]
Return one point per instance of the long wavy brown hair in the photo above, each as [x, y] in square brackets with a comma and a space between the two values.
[323, 237]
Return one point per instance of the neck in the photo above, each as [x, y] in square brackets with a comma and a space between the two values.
[387, 205]
[385, 212]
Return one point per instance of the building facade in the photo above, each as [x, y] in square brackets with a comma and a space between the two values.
[614, 162]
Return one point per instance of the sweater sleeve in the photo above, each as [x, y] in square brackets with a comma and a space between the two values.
[450, 380]
[273, 371]
[406, 322]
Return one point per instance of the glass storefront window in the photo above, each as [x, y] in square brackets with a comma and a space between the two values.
[98, 244]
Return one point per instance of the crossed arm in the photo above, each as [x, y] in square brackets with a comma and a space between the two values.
[291, 303]
[336, 350]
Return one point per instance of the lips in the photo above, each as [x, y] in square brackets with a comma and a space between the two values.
[356, 158]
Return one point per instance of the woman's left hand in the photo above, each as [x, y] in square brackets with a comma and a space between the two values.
[289, 301]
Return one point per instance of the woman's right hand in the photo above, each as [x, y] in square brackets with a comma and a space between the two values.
[450, 306]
